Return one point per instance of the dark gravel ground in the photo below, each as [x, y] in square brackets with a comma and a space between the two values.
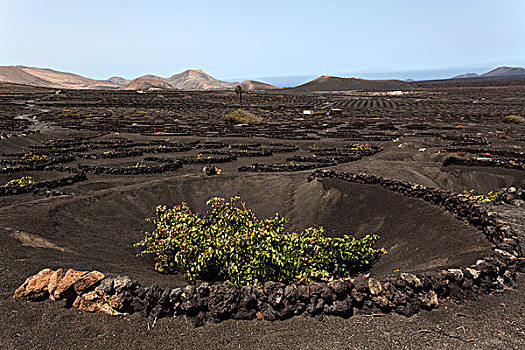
[97, 225]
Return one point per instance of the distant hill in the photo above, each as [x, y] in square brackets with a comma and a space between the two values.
[196, 79]
[42, 77]
[119, 81]
[144, 83]
[466, 76]
[66, 80]
[330, 83]
[505, 72]
[187, 80]
[500, 72]
[251, 85]
[16, 75]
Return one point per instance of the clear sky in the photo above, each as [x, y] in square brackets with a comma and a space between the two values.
[266, 38]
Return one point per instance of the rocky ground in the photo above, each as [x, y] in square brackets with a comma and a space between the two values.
[141, 150]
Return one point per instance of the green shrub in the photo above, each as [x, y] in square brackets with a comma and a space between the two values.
[473, 196]
[69, 115]
[139, 165]
[230, 243]
[240, 116]
[21, 182]
[513, 119]
[360, 147]
[31, 156]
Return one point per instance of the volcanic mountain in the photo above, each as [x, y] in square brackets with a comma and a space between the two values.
[466, 76]
[44, 77]
[505, 72]
[500, 72]
[198, 80]
[251, 85]
[118, 81]
[187, 80]
[331, 83]
[145, 83]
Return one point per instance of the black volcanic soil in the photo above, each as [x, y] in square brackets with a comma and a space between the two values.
[93, 224]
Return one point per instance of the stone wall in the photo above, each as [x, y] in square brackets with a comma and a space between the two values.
[42, 185]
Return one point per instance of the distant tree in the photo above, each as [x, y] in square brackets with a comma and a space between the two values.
[239, 91]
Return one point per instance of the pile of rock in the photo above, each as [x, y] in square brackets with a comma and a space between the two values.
[510, 195]
[77, 288]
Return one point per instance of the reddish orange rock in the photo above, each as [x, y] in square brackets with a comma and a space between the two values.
[35, 287]
[96, 301]
[53, 281]
[87, 281]
[64, 287]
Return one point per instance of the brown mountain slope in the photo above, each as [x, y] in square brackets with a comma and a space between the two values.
[67, 80]
[505, 72]
[466, 76]
[119, 81]
[144, 83]
[251, 85]
[16, 75]
[330, 83]
[187, 80]
[196, 79]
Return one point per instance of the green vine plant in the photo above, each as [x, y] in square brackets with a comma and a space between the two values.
[32, 156]
[139, 165]
[228, 242]
[21, 182]
[360, 147]
[473, 196]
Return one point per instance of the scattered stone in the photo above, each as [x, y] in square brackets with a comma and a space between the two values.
[412, 280]
[429, 300]
[374, 286]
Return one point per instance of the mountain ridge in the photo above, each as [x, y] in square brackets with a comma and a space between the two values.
[332, 83]
[498, 72]
[191, 79]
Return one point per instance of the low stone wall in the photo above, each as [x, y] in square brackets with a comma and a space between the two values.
[18, 166]
[121, 154]
[42, 186]
[496, 163]
[503, 153]
[274, 168]
[404, 294]
[203, 160]
[131, 170]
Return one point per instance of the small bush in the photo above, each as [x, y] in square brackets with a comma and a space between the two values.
[69, 115]
[513, 119]
[360, 147]
[230, 243]
[240, 116]
[21, 182]
[139, 165]
[473, 196]
[31, 156]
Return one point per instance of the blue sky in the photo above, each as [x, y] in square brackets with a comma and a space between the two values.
[233, 39]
